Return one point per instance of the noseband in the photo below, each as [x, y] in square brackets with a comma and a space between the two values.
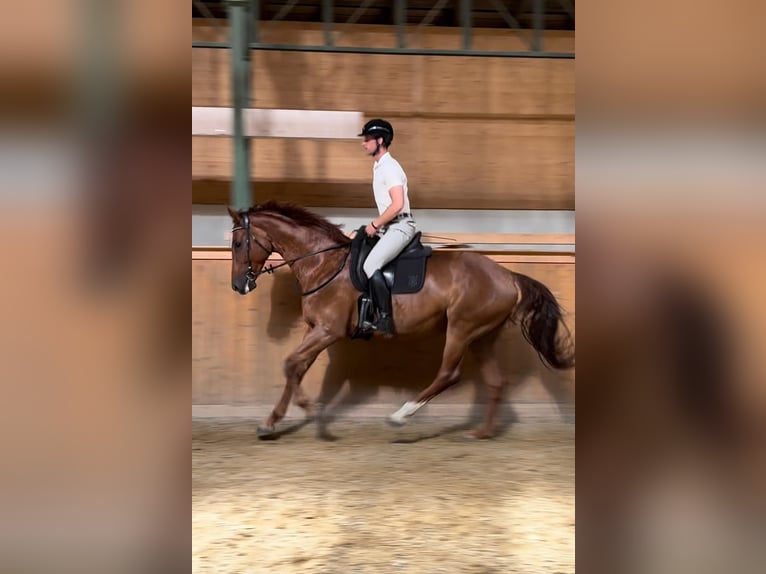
[251, 274]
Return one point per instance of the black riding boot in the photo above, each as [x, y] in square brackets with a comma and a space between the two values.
[382, 298]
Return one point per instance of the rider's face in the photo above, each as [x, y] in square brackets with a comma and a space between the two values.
[370, 144]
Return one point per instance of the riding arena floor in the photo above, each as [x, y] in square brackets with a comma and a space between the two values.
[373, 499]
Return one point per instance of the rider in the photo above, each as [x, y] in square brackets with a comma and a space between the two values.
[394, 221]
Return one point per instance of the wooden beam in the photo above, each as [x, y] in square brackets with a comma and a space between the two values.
[274, 123]
[523, 256]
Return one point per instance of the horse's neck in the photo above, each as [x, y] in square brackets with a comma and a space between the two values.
[292, 242]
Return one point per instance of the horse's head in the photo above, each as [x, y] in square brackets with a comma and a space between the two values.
[250, 247]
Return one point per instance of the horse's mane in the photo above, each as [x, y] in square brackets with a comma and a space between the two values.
[302, 217]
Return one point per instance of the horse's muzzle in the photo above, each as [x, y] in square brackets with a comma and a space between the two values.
[243, 284]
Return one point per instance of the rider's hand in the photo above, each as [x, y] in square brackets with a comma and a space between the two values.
[370, 230]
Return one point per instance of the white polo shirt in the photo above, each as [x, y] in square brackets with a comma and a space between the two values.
[387, 173]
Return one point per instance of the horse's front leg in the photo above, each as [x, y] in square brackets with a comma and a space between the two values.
[316, 340]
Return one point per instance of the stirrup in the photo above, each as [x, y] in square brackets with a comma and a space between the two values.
[383, 325]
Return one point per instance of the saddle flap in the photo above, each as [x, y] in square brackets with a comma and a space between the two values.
[361, 245]
[405, 274]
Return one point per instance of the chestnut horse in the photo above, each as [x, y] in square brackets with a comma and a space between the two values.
[475, 295]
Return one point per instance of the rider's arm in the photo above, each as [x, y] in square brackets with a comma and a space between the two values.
[397, 204]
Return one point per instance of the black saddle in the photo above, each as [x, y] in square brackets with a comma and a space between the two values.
[405, 274]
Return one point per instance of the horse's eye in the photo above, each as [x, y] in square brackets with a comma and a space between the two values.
[237, 244]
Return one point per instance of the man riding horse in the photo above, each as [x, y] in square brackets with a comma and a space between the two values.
[394, 223]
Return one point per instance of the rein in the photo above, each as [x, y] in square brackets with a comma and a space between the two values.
[271, 268]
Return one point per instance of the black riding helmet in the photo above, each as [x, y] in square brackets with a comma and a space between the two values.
[379, 128]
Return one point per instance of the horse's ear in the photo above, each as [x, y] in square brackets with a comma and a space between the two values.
[234, 216]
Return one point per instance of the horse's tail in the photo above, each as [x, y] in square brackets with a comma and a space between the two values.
[540, 317]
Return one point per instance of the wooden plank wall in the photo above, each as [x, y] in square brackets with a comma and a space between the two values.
[489, 133]
[240, 343]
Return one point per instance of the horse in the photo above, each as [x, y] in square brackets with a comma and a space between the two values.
[466, 293]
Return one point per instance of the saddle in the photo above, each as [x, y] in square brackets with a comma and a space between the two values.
[404, 274]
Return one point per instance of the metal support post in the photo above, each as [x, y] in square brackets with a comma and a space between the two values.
[537, 19]
[509, 19]
[400, 9]
[254, 20]
[240, 66]
[327, 11]
[466, 23]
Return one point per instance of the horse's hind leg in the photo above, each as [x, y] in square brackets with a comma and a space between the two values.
[332, 383]
[484, 349]
[449, 374]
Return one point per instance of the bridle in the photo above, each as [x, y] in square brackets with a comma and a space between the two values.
[251, 274]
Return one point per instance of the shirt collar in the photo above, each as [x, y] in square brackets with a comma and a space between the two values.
[382, 159]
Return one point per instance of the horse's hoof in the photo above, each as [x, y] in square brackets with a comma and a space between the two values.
[395, 422]
[266, 433]
[327, 437]
[478, 435]
[407, 410]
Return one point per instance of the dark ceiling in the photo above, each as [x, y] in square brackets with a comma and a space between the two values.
[557, 14]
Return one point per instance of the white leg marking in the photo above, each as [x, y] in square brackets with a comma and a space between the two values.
[407, 410]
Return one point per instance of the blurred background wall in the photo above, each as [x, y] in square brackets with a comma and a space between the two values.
[488, 146]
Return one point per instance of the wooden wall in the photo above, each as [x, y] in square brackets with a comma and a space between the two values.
[240, 343]
[491, 133]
